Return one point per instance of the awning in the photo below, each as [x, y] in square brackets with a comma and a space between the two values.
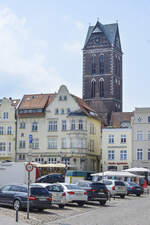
[116, 173]
[137, 169]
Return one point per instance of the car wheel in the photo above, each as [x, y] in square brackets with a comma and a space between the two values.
[102, 202]
[40, 210]
[138, 194]
[80, 203]
[61, 206]
[122, 196]
[17, 204]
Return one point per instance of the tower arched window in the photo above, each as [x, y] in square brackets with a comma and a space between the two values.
[101, 88]
[93, 89]
[101, 64]
[93, 64]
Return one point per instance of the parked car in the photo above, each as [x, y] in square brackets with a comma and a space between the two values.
[16, 195]
[57, 192]
[74, 194]
[134, 188]
[96, 191]
[51, 178]
[116, 187]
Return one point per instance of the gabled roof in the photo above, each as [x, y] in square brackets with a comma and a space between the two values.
[84, 106]
[109, 30]
[36, 101]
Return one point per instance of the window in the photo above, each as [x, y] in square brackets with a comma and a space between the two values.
[64, 126]
[52, 126]
[111, 139]
[60, 98]
[80, 124]
[91, 128]
[73, 125]
[56, 111]
[1, 131]
[93, 64]
[111, 155]
[5, 115]
[72, 143]
[52, 143]
[63, 143]
[91, 145]
[148, 137]
[139, 135]
[65, 97]
[34, 126]
[139, 154]
[52, 160]
[93, 89]
[2, 146]
[80, 143]
[22, 144]
[62, 111]
[22, 125]
[148, 154]
[9, 147]
[123, 155]
[148, 119]
[35, 143]
[68, 110]
[9, 130]
[65, 160]
[123, 138]
[101, 88]
[101, 64]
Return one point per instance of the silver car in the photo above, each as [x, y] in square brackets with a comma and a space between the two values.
[116, 187]
[58, 193]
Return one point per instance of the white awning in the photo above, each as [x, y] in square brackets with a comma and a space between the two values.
[116, 173]
[137, 169]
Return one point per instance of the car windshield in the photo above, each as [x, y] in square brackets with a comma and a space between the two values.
[107, 182]
[119, 183]
[38, 191]
[98, 185]
[133, 184]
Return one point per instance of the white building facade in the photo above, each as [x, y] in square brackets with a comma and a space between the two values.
[141, 138]
[116, 148]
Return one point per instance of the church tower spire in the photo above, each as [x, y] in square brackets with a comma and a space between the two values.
[102, 69]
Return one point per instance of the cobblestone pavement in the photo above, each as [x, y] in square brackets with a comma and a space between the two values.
[129, 211]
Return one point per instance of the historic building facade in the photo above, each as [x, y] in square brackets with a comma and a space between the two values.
[63, 128]
[102, 69]
[7, 129]
[141, 138]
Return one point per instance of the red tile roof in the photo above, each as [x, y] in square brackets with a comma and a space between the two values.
[118, 117]
[36, 101]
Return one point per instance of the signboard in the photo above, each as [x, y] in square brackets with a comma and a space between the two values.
[29, 167]
[30, 138]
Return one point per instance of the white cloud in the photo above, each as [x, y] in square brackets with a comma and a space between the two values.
[23, 58]
[80, 26]
[74, 48]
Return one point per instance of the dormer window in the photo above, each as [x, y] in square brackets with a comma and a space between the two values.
[60, 98]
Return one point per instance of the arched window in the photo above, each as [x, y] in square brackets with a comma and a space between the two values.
[93, 89]
[101, 87]
[93, 64]
[101, 64]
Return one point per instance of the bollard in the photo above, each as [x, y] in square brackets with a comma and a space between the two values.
[16, 215]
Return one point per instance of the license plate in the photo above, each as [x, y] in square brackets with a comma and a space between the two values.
[78, 193]
[42, 199]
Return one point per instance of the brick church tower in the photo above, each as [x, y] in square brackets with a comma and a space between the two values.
[102, 69]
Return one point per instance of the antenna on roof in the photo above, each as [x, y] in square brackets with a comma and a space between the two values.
[89, 24]
[116, 21]
[97, 19]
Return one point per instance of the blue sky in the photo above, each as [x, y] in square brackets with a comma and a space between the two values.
[41, 45]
